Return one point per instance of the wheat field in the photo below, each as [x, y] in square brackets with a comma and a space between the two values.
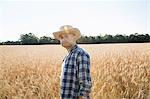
[118, 71]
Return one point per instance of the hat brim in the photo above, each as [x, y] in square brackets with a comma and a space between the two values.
[74, 31]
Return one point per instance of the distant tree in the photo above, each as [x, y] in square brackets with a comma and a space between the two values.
[91, 39]
[11, 43]
[120, 38]
[143, 38]
[147, 37]
[55, 41]
[45, 40]
[98, 39]
[136, 38]
[132, 38]
[29, 39]
[107, 38]
[83, 39]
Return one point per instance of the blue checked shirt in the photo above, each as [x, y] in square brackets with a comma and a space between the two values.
[75, 77]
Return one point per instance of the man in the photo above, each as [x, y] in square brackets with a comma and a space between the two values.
[75, 75]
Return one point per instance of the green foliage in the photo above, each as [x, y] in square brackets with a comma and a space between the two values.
[10, 43]
[30, 39]
[47, 40]
[118, 38]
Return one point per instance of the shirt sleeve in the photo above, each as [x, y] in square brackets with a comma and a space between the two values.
[84, 74]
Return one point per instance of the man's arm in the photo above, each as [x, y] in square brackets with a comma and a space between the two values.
[84, 74]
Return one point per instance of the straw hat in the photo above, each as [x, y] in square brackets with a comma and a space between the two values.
[67, 29]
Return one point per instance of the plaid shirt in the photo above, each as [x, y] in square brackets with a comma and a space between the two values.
[75, 78]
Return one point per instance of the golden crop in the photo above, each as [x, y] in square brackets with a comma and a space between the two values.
[119, 71]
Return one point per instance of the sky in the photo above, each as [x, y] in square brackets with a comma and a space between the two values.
[91, 17]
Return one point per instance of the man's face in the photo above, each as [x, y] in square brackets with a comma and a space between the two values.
[67, 40]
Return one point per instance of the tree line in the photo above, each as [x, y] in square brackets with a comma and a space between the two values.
[32, 39]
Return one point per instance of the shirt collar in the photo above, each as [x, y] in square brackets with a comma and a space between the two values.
[73, 48]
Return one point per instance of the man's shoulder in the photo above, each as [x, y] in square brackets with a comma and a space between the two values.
[81, 51]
